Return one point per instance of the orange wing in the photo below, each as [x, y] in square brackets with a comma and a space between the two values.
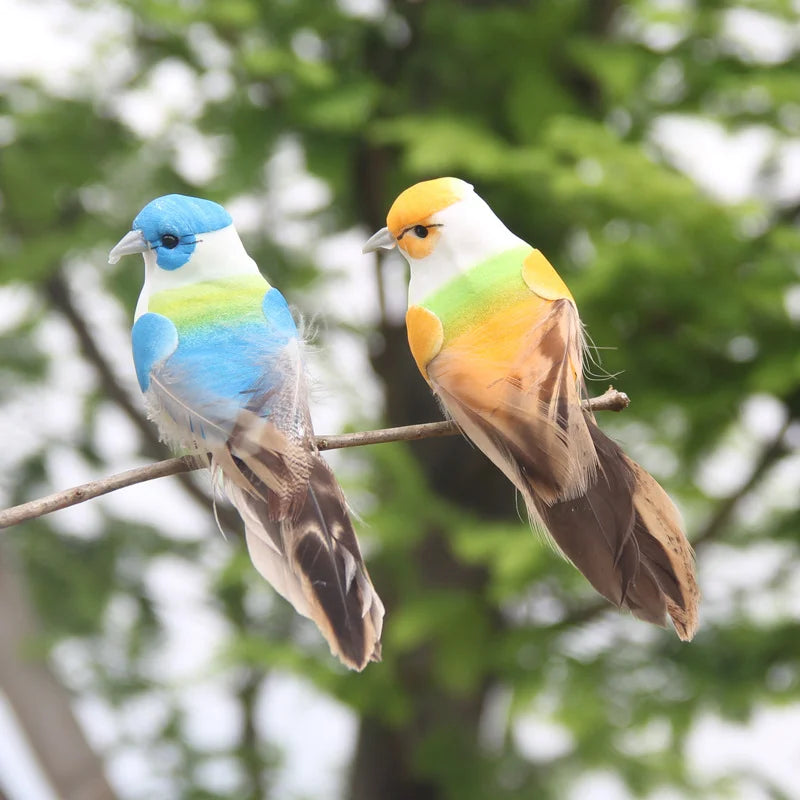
[513, 384]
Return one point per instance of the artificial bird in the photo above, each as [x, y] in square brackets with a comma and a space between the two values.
[496, 333]
[220, 362]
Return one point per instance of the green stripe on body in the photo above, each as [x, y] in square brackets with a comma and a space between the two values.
[227, 300]
[479, 294]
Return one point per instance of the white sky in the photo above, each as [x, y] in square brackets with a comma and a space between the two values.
[56, 43]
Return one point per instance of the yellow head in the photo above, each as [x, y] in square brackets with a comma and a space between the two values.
[410, 219]
[442, 228]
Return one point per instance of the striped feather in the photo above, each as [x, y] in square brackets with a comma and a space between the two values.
[520, 378]
[311, 557]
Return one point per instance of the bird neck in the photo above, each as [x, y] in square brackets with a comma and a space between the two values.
[219, 254]
[481, 292]
[471, 234]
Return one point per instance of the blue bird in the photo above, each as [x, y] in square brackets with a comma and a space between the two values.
[220, 362]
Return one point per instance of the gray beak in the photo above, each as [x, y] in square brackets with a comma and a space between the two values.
[382, 240]
[131, 242]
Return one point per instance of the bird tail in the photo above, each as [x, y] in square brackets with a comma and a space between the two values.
[300, 536]
[311, 556]
[626, 536]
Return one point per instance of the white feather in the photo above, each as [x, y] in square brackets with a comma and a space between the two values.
[470, 233]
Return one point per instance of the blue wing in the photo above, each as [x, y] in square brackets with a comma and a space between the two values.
[278, 317]
[154, 338]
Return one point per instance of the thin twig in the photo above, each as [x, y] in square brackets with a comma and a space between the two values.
[86, 491]
[774, 450]
[612, 400]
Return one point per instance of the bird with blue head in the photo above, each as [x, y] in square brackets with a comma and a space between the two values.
[220, 362]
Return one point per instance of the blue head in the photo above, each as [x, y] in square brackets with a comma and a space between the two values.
[171, 225]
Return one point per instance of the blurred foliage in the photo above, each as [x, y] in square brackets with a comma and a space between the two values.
[551, 110]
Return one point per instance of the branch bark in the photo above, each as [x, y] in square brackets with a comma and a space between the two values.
[611, 400]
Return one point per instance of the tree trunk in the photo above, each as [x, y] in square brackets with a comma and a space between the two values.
[40, 703]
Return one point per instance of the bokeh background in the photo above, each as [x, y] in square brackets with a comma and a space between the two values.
[651, 149]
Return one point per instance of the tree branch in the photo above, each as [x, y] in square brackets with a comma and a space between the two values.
[612, 400]
[773, 451]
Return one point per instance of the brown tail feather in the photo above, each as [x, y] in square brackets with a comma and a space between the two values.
[668, 554]
[261, 451]
[327, 556]
[621, 531]
[625, 535]
[311, 557]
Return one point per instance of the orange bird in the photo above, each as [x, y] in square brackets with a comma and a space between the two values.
[496, 333]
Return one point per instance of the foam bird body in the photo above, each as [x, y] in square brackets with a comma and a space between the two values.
[496, 333]
[220, 361]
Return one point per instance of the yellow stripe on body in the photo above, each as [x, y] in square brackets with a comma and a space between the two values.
[214, 302]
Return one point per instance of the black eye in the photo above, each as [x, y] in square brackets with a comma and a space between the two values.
[421, 231]
[170, 241]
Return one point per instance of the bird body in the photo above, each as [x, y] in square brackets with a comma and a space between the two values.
[222, 327]
[220, 361]
[497, 335]
[475, 308]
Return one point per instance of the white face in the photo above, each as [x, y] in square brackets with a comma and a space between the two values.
[469, 233]
[218, 254]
